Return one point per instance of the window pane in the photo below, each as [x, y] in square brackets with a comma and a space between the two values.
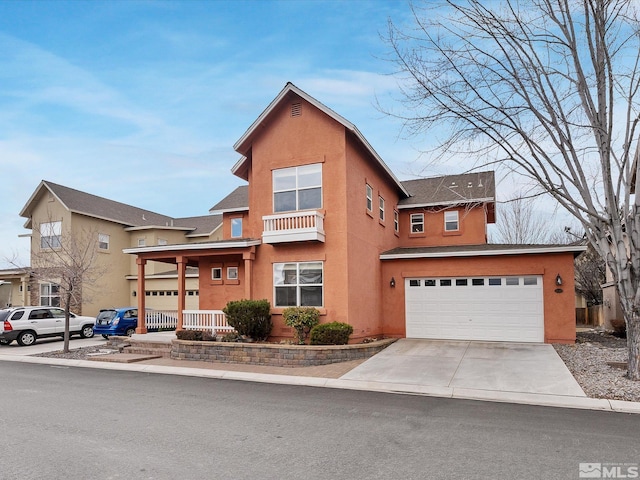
[445, 282]
[284, 201]
[530, 281]
[414, 283]
[477, 282]
[512, 281]
[236, 227]
[44, 289]
[461, 282]
[285, 274]
[310, 176]
[429, 283]
[495, 281]
[286, 297]
[310, 273]
[310, 198]
[311, 296]
[284, 179]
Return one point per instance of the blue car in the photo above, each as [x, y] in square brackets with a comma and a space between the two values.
[116, 321]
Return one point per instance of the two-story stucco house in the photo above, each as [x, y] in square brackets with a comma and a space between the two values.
[323, 222]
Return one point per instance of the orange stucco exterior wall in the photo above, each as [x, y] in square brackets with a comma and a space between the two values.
[472, 227]
[559, 313]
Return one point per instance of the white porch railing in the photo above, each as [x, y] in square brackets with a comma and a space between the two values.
[214, 320]
[293, 227]
[161, 319]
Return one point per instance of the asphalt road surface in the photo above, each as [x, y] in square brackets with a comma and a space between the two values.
[77, 423]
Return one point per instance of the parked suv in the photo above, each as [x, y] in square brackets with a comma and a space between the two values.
[27, 324]
[116, 321]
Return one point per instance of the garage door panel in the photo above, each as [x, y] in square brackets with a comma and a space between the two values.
[504, 312]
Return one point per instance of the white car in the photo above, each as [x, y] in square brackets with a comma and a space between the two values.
[27, 324]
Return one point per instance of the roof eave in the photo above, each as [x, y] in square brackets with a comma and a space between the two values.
[447, 203]
[576, 249]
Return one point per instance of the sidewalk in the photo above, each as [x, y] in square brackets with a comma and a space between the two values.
[328, 376]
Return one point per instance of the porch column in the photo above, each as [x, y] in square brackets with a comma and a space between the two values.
[142, 314]
[248, 258]
[24, 283]
[182, 289]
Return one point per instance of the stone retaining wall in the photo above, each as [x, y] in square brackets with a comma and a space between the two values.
[273, 354]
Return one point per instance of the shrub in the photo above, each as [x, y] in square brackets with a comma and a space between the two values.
[194, 335]
[251, 318]
[302, 320]
[231, 337]
[334, 333]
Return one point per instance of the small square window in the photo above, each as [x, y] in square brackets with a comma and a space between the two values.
[495, 281]
[162, 241]
[429, 283]
[417, 223]
[216, 273]
[513, 281]
[414, 283]
[477, 282]
[461, 282]
[142, 242]
[103, 241]
[232, 273]
[530, 281]
[445, 282]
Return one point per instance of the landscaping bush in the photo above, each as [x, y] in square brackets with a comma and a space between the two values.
[231, 337]
[302, 320]
[619, 328]
[193, 335]
[251, 318]
[334, 333]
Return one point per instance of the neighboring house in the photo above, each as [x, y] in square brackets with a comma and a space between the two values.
[323, 222]
[15, 287]
[55, 211]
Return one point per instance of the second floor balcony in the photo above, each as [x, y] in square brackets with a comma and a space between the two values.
[293, 227]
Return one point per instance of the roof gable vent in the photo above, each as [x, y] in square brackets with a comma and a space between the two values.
[296, 109]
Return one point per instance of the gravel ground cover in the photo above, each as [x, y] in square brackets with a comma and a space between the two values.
[589, 361]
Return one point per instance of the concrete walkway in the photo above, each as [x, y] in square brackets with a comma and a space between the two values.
[509, 373]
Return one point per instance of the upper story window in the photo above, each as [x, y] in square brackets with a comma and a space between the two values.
[142, 242]
[297, 188]
[103, 241]
[417, 223]
[381, 208]
[396, 221]
[236, 227]
[369, 193]
[50, 234]
[451, 221]
[162, 241]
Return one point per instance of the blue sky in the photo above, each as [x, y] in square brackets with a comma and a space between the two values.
[142, 101]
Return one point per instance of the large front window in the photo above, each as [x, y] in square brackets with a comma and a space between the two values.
[298, 284]
[50, 294]
[50, 234]
[297, 188]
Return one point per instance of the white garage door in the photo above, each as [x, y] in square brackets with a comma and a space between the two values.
[475, 308]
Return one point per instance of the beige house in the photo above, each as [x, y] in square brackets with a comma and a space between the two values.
[55, 211]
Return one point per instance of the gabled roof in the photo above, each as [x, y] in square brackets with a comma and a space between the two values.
[243, 145]
[450, 190]
[236, 201]
[202, 226]
[93, 206]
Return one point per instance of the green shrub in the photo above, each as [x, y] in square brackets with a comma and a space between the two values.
[334, 333]
[302, 320]
[251, 318]
[193, 335]
[231, 337]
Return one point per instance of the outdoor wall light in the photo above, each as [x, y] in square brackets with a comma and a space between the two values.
[558, 280]
[392, 283]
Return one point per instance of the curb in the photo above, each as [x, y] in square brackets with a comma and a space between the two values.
[397, 388]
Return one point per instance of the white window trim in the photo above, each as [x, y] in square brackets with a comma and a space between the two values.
[162, 241]
[413, 223]
[213, 276]
[396, 221]
[297, 188]
[236, 220]
[232, 276]
[456, 219]
[298, 284]
[50, 295]
[369, 195]
[104, 239]
[50, 235]
[142, 242]
[381, 208]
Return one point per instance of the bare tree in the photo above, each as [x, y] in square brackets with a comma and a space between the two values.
[518, 222]
[590, 275]
[68, 259]
[548, 89]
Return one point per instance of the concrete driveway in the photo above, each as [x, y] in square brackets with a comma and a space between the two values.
[44, 345]
[443, 366]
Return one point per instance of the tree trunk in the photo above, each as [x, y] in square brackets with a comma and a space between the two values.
[633, 346]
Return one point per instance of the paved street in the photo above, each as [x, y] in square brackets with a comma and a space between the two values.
[72, 423]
